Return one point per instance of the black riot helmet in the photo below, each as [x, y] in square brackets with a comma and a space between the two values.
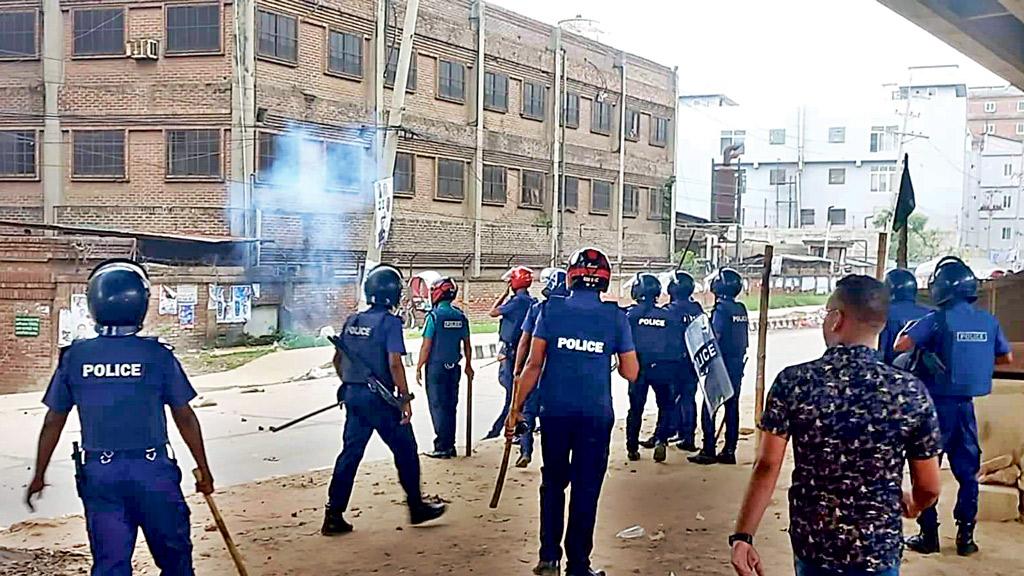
[902, 285]
[118, 296]
[680, 286]
[646, 287]
[728, 283]
[953, 281]
[383, 286]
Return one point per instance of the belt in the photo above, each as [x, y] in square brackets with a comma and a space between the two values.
[106, 456]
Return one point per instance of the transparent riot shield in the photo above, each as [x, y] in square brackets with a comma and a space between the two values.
[707, 359]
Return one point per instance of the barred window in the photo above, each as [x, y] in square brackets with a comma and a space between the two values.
[278, 36]
[345, 54]
[656, 200]
[600, 196]
[392, 69]
[571, 110]
[99, 31]
[571, 193]
[194, 153]
[18, 35]
[451, 80]
[193, 28]
[632, 125]
[659, 131]
[495, 190]
[451, 177]
[630, 200]
[496, 91]
[18, 154]
[601, 117]
[807, 216]
[99, 154]
[267, 148]
[405, 174]
[533, 189]
[533, 100]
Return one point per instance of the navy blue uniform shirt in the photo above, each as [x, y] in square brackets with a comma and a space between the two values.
[900, 314]
[513, 312]
[371, 336]
[120, 386]
[688, 311]
[730, 324]
[657, 333]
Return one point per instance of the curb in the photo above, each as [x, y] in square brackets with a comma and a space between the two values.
[480, 352]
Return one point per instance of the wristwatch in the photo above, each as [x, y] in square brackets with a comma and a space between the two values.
[741, 537]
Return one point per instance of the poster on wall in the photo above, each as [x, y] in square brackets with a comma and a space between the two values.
[82, 325]
[187, 316]
[168, 301]
[234, 305]
[216, 296]
[256, 291]
[188, 294]
[65, 331]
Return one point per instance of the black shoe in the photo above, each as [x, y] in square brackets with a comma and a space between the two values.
[726, 458]
[524, 461]
[703, 458]
[587, 572]
[425, 512]
[926, 542]
[649, 443]
[440, 455]
[491, 435]
[965, 544]
[686, 446]
[633, 455]
[674, 439]
[547, 568]
[334, 524]
[660, 452]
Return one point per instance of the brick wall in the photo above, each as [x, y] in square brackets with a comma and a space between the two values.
[26, 362]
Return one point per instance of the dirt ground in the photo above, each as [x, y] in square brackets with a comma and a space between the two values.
[686, 510]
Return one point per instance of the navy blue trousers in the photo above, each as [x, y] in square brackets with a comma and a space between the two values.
[505, 378]
[367, 413]
[660, 378]
[126, 494]
[960, 444]
[443, 401]
[575, 450]
[732, 413]
[531, 410]
[685, 422]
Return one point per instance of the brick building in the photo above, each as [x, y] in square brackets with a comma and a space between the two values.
[997, 110]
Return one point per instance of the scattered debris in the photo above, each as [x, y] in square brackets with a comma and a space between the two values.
[202, 402]
[252, 390]
[701, 517]
[632, 532]
[270, 459]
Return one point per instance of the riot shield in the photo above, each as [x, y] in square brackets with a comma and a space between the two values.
[707, 359]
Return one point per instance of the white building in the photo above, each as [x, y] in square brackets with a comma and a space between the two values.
[802, 164]
[992, 213]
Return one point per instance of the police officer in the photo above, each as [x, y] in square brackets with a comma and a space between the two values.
[570, 355]
[903, 310]
[554, 287]
[368, 360]
[730, 324]
[658, 336]
[512, 313]
[968, 342]
[682, 305]
[445, 338]
[120, 383]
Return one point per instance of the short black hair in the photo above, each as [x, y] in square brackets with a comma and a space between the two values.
[864, 298]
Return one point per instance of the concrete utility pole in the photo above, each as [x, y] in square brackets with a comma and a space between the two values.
[478, 156]
[556, 150]
[620, 232]
[53, 77]
[243, 120]
[386, 160]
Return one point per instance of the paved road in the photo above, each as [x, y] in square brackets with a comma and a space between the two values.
[239, 452]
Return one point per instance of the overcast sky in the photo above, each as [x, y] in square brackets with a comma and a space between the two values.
[767, 52]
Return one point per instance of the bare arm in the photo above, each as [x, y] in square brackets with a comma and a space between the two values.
[467, 351]
[925, 483]
[903, 344]
[1005, 359]
[188, 425]
[49, 436]
[495, 313]
[629, 366]
[522, 351]
[398, 377]
[531, 373]
[336, 361]
[762, 482]
[424, 357]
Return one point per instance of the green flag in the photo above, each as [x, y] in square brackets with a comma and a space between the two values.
[905, 202]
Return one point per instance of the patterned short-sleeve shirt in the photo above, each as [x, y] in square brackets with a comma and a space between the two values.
[853, 422]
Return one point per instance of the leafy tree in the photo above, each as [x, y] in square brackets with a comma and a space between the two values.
[924, 243]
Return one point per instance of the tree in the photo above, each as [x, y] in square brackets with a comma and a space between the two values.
[924, 243]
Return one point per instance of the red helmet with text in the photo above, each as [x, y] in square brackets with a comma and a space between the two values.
[443, 289]
[519, 277]
[589, 269]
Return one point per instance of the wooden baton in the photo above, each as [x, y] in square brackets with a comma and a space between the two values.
[500, 483]
[236, 556]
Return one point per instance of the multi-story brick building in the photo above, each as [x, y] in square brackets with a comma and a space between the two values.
[997, 110]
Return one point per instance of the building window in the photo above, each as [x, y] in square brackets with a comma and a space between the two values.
[656, 204]
[99, 154]
[495, 185]
[1020, 128]
[18, 154]
[278, 36]
[533, 100]
[571, 193]
[345, 54]
[600, 197]
[777, 176]
[193, 153]
[571, 110]
[405, 174]
[883, 138]
[451, 177]
[630, 200]
[267, 154]
[836, 135]
[1006, 233]
[193, 28]
[990, 128]
[1008, 169]
[496, 92]
[990, 107]
[18, 35]
[601, 117]
[1007, 201]
[1020, 105]
[346, 162]
[632, 125]
[807, 216]
[837, 216]
[392, 68]
[451, 81]
[99, 32]
[733, 137]
[777, 136]
[883, 178]
[533, 189]
[837, 175]
[659, 131]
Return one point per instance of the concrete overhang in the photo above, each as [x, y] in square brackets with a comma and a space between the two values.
[990, 32]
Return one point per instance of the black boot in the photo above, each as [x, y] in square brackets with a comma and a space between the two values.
[334, 524]
[425, 512]
[524, 460]
[660, 452]
[650, 442]
[926, 542]
[703, 458]
[727, 457]
[965, 544]
[686, 446]
[633, 455]
[547, 568]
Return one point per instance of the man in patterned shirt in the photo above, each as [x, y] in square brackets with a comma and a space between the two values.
[853, 421]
